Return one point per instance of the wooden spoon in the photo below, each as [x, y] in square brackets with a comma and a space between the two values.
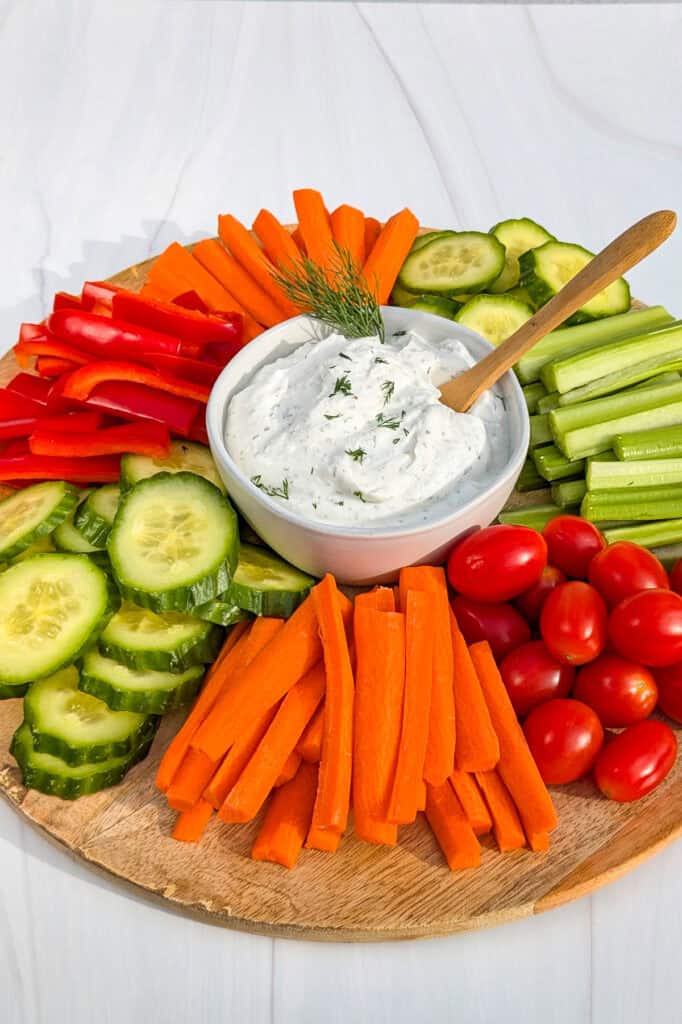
[619, 256]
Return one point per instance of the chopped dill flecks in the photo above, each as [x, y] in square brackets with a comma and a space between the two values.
[384, 421]
[342, 386]
[388, 387]
[357, 454]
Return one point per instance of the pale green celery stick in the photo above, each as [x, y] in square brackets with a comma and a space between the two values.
[540, 432]
[532, 394]
[536, 517]
[529, 478]
[639, 505]
[552, 464]
[568, 493]
[608, 476]
[665, 443]
[649, 535]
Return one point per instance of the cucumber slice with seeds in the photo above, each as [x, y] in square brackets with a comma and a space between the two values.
[43, 546]
[422, 240]
[545, 270]
[517, 237]
[67, 538]
[438, 305]
[401, 297]
[52, 775]
[221, 611]
[32, 513]
[144, 690]
[75, 726]
[267, 585]
[184, 456]
[95, 517]
[53, 608]
[495, 317]
[174, 543]
[460, 262]
[167, 642]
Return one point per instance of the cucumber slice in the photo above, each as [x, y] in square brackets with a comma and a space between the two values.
[545, 270]
[267, 585]
[523, 295]
[96, 515]
[43, 546]
[517, 237]
[221, 611]
[422, 240]
[67, 538]
[438, 305]
[167, 642]
[184, 456]
[53, 608]
[495, 317]
[52, 775]
[144, 691]
[401, 297]
[32, 513]
[174, 543]
[75, 726]
[463, 261]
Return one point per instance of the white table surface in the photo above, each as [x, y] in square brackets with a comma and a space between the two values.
[127, 125]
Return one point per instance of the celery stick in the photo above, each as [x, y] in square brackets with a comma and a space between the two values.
[548, 402]
[552, 465]
[568, 493]
[536, 517]
[529, 479]
[540, 432]
[649, 535]
[581, 442]
[582, 368]
[622, 380]
[607, 476]
[640, 504]
[668, 554]
[665, 443]
[532, 394]
[568, 340]
[598, 410]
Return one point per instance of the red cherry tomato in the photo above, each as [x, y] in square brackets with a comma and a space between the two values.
[619, 691]
[530, 603]
[497, 563]
[647, 627]
[669, 681]
[624, 569]
[572, 543]
[635, 761]
[499, 624]
[564, 737]
[533, 676]
[676, 576]
[573, 623]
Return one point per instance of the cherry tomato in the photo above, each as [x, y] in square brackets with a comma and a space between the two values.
[497, 563]
[635, 761]
[564, 737]
[499, 624]
[572, 543]
[573, 623]
[624, 569]
[619, 691]
[647, 627]
[531, 601]
[533, 676]
[669, 681]
[676, 576]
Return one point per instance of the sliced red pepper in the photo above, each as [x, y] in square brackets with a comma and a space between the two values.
[15, 407]
[151, 439]
[137, 402]
[80, 383]
[65, 300]
[72, 423]
[53, 366]
[102, 469]
[112, 339]
[49, 346]
[186, 369]
[198, 431]
[34, 388]
[98, 293]
[192, 324]
[191, 300]
[30, 332]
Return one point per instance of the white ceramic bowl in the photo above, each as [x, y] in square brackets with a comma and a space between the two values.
[358, 555]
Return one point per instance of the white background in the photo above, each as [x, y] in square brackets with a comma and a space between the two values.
[126, 125]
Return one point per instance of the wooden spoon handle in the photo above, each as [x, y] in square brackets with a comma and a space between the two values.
[618, 257]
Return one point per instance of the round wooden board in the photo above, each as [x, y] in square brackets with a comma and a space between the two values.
[363, 893]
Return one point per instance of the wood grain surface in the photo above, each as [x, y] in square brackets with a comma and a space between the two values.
[362, 893]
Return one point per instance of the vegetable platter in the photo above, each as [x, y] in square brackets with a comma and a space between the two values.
[365, 892]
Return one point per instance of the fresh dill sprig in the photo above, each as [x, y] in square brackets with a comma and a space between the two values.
[344, 356]
[272, 492]
[342, 386]
[388, 387]
[359, 494]
[357, 454]
[338, 297]
[386, 421]
[334, 417]
[380, 360]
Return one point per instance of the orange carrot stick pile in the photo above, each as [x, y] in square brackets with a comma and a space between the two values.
[348, 230]
[450, 826]
[287, 819]
[478, 749]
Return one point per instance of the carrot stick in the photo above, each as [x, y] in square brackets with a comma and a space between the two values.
[176, 262]
[381, 598]
[516, 765]
[421, 796]
[190, 780]
[253, 260]
[348, 229]
[322, 839]
[235, 634]
[448, 821]
[287, 819]
[298, 238]
[191, 824]
[372, 232]
[333, 789]
[291, 766]
[230, 659]
[251, 789]
[507, 827]
[379, 681]
[473, 804]
[478, 749]
[310, 744]
[383, 263]
[420, 615]
[279, 245]
[396, 599]
[539, 842]
[440, 750]
[281, 663]
[232, 276]
[315, 226]
[236, 759]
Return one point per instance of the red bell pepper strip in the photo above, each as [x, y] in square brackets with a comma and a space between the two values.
[48, 346]
[15, 406]
[198, 431]
[137, 402]
[151, 439]
[71, 423]
[112, 339]
[191, 324]
[98, 293]
[191, 300]
[103, 469]
[53, 366]
[26, 384]
[30, 332]
[79, 384]
[186, 369]
[65, 300]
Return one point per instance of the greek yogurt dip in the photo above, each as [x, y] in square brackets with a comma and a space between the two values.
[352, 432]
